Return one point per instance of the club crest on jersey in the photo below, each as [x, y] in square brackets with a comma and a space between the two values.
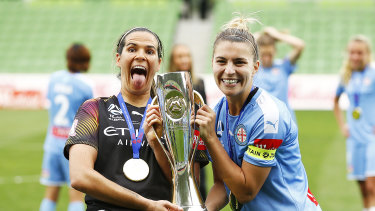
[115, 113]
[219, 129]
[241, 135]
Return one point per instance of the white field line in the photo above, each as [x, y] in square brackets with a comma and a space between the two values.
[19, 179]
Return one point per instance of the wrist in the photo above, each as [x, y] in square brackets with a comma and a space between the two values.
[147, 204]
[211, 140]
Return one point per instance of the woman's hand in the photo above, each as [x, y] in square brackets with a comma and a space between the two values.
[163, 205]
[273, 32]
[205, 119]
[345, 130]
[153, 122]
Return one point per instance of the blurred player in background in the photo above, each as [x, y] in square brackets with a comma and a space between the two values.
[67, 90]
[274, 73]
[250, 135]
[358, 82]
[182, 60]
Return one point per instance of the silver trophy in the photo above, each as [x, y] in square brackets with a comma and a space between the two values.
[177, 100]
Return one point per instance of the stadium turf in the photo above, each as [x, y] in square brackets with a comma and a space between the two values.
[23, 132]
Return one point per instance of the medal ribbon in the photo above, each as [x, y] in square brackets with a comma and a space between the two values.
[357, 92]
[136, 140]
[236, 123]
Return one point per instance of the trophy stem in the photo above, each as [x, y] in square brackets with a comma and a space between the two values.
[185, 193]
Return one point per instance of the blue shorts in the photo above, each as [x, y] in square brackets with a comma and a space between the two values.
[55, 169]
[360, 159]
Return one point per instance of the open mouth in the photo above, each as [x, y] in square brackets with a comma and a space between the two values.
[139, 70]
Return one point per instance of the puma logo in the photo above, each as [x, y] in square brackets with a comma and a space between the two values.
[137, 113]
[272, 124]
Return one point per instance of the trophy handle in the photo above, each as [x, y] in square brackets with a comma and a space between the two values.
[200, 102]
[198, 99]
[167, 152]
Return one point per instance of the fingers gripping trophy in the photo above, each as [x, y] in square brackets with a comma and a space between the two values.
[177, 100]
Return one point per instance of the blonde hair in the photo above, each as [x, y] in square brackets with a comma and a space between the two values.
[172, 65]
[346, 70]
[237, 30]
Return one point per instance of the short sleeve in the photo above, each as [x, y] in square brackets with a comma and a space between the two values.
[90, 93]
[288, 66]
[85, 126]
[263, 144]
[340, 89]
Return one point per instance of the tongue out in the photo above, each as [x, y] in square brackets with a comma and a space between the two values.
[139, 80]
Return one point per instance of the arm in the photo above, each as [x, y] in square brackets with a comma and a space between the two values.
[244, 182]
[296, 43]
[217, 197]
[153, 119]
[84, 178]
[340, 117]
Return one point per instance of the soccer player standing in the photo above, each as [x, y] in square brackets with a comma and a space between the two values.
[112, 159]
[274, 73]
[67, 90]
[251, 137]
[358, 82]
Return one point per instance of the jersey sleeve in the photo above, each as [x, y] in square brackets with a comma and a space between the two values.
[340, 89]
[90, 93]
[85, 126]
[288, 66]
[50, 87]
[263, 144]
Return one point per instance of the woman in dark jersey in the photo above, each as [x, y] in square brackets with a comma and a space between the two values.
[110, 159]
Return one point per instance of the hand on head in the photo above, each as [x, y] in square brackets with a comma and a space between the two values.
[272, 31]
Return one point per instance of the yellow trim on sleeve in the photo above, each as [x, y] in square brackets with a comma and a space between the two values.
[263, 154]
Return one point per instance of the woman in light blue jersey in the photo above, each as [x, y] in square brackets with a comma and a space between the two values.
[274, 73]
[358, 82]
[250, 135]
[67, 90]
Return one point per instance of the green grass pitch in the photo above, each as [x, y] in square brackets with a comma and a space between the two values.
[21, 149]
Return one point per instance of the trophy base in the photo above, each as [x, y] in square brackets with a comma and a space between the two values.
[194, 208]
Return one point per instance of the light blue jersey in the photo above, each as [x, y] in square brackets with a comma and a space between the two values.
[66, 92]
[361, 142]
[274, 79]
[266, 136]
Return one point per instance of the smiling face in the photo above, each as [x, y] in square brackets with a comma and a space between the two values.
[359, 55]
[138, 62]
[233, 66]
